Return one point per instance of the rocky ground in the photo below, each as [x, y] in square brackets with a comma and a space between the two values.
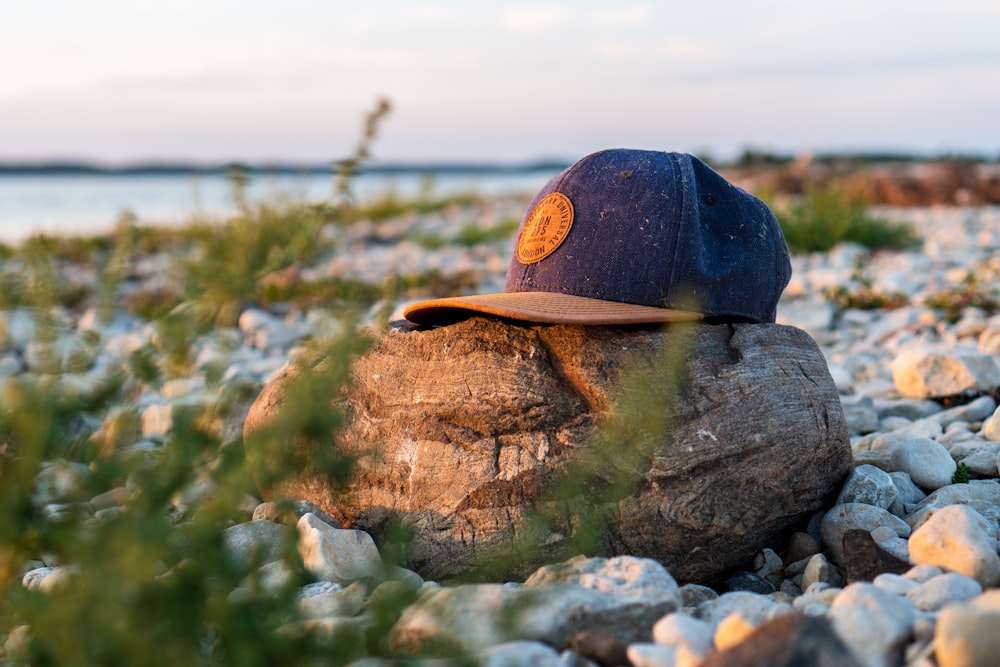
[903, 569]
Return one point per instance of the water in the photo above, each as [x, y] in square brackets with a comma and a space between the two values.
[88, 204]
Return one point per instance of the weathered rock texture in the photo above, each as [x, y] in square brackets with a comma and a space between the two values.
[459, 431]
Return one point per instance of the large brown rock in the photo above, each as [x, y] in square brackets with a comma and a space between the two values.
[463, 432]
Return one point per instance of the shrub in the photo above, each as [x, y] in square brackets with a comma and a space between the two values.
[862, 294]
[969, 294]
[825, 216]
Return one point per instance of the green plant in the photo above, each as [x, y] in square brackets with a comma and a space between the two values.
[862, 294]
[969, 294]
[470, 235]
[153, 583]
[825, 216]
[961, 475]
[347, 168]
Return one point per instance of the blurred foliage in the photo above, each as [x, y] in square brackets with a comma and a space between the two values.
[970, 293]
[150, 580]
[822, 217]
[862, 294]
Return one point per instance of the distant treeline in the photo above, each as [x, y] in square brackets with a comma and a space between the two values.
[748, 158]
[68, 168]
[751, 158]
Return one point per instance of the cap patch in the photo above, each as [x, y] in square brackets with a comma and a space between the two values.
[546, 228]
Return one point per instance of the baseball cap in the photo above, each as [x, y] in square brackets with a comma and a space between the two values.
[628, 236]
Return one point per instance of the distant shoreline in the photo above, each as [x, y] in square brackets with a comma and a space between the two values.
[185, 169]
[749, 158]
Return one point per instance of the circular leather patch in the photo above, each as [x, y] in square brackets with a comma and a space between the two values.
[546, 228]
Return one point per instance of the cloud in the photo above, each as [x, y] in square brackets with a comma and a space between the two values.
[533, 20]
[536, 19]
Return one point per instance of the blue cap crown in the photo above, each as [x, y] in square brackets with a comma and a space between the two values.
[656, 229]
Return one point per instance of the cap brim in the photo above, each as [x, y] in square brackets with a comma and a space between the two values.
[543, 307]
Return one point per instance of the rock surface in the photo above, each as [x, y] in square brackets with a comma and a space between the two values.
[624, 596]
[461, 430]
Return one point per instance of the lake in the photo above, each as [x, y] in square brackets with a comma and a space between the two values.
[92, 203]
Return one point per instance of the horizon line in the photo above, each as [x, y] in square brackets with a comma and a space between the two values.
[156, 166]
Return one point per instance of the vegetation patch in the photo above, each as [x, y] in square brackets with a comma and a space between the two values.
[824, 216]
[971, 293]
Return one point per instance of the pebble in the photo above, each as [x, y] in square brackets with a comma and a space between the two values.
[682, 632]
[929, 373]
[849, 516]
[895, 369]
[339, 555]
[943, 589]
[870, 485]
[959, 539]
[254, 542]
[969, 635]
[925, 460]
[873, 623]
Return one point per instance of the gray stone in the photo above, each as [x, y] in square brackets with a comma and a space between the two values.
[989, 340]
[842, 378]
[923, 428]
[520, 654]
[750, 582]
[753, 607]
[680, 630]
[923, 572]
[60, 480]
[692, 595]
[644, 654]
[968, 635]
[275, 576]
[927, 373]
[802, 545]
[974, 411]
[10, 364]
[17, 329]
[333, 554]
[926, 461]
[897, 547]
[255, 542]
[959, 539]
[842, 518]
[873, 623]
[909, 408]
[624, 596]
[860, 415]
[943, 589]
[991, 427]
[909, 494]
[32, 579]
[460, 431]
[982, 495]
[820, 570]
[815, 317]
[981, 458]
[327, 598]
[896, 584]
[870, 485]
[289, 511]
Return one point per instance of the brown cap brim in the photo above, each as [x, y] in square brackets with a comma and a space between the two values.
[543, 307]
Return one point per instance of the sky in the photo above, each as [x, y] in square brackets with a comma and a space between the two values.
[120, 81]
